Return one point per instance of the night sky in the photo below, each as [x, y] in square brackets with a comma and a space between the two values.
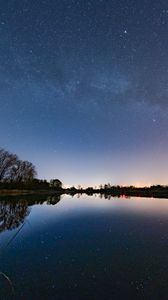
[84, 89]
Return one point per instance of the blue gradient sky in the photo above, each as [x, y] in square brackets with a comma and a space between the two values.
[84, 89]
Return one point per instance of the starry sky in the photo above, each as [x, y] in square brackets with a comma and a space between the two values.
[84, 89]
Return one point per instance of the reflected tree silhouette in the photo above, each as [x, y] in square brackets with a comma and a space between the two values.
[12, 215]
[13, 212]
[52, 200]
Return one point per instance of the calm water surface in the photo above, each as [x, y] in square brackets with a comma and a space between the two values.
[83, 248]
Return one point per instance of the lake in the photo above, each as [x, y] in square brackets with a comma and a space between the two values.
[83, 247]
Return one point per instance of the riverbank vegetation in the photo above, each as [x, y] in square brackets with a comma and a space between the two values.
[44, 187]
[19, 177]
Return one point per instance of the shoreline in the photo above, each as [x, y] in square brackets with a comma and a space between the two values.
[121, 193]
[17, 192]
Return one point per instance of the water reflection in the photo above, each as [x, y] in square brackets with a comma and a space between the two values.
[53, 200]
[12, 215]
[14, 212]
[84, 247]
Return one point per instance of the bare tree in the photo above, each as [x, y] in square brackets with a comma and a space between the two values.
[28, 170]
[23, 171]
[14, 170]
[7, 161]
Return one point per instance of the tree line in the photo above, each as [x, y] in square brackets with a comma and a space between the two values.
[19, 174]
[12, 169]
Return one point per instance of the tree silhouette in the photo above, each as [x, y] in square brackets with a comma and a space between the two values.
[56, 183]
[14, 170]
[7, 162]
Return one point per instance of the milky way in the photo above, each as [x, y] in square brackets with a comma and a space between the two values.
[84, 89]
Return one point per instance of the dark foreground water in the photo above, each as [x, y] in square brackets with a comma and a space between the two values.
[83, 248]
